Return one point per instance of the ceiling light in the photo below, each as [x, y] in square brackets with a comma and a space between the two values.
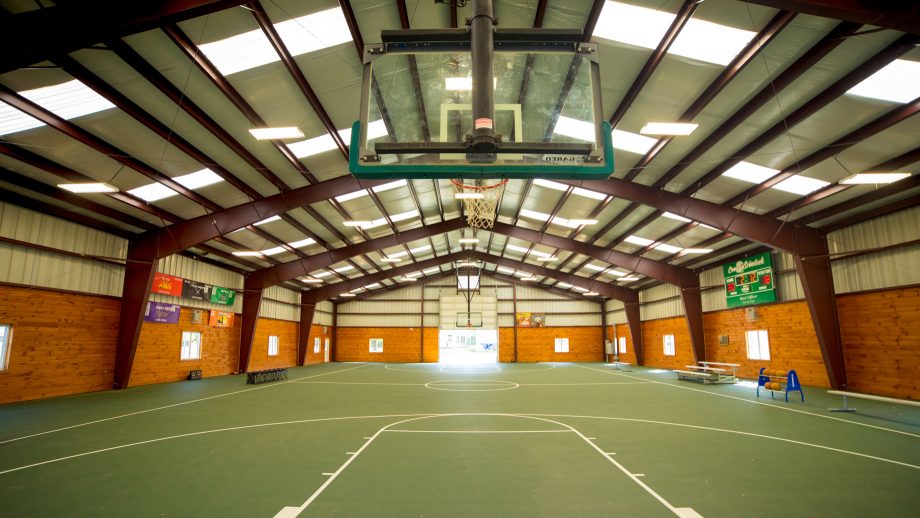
[469, 196]
[303, 242]
[346, 294]
[267, 220]
[531, 278]
[643, 27]
[517, 248]
[616, 273]
[671, 215]
[636, 240]
[345, 268]
[372, 286]
[547, 259]
[801, 185]
[591, 294]
[586, 193]
[419, 249]
[549, 184]
[872, 178]
[66, 100]
[322, 274]
[627, 279]
[152, 192]
[896, 82]
[300, 35]
[432, 270]
[751, 173]
[402, 216]
[505, 270]
[198, 179]
[362, 223]
[468, 240]
[580, 222]
[668, 128]
[407, 279]
[564, 285]
[325, 142]
[273, 251]
[579, 288]
[280, 133]
[668, 248]
[697, 250]
[85, 188]
[391, 259]
[356, 290]
[247, 254]
[532, 214]
[311, 280]
[632, 142]
[595, 267]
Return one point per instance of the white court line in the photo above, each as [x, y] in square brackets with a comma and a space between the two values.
[354, 383]
[173, 405]
[478, 431]
[618, 373]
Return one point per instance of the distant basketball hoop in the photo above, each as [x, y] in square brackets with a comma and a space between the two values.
[481, 202]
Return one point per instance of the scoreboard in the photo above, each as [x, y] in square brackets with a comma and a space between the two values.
[749, 281]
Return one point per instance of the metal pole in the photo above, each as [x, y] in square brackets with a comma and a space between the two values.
[481, 22]
[514, 309]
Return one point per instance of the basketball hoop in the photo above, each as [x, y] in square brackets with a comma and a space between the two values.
[481, 202]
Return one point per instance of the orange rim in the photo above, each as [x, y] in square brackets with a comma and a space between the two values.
[461, 185]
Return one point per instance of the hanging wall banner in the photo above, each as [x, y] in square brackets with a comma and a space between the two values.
[224, 296]
[523, 319]
[162, 313]
[167, 285]
[221, 318]
[749, 281]
[196, 290]
[537, 319]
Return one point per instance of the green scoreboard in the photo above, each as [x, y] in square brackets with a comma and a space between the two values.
[749, 281]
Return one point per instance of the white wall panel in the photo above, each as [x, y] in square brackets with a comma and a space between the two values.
[323, 314]
[616, 312]
[42, 229]
[346, 320]
[288, 307]
[661, 301]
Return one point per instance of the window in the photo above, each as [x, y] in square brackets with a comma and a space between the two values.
[562, 345]
[316, 345]
[191, 346]
[273, 345]
[669, 345]
[758, 345]
[376, 345]
[622, 341]
[6, 332]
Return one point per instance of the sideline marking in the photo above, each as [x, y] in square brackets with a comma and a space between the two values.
[758, 402]
[173, 405]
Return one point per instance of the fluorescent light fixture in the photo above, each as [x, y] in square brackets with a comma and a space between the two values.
[595, 267]
[632, 142]
[285, 132]
[85, 188]
[579, 222]
[413, 274]
[303, 242]
[356, 290]
[531, 278]
[871, 178]
[469, 195]
[463, 83]
[274, 251]
[563, 285]
[402, 216]
[752, 173]
[636, 240]
[406, 279]
[198, 179]
[643, 27]
[247, 254]
[372, 286]
[800, 185]
[419, 249]
[579, 288]
[468, 240]
[268, 220]
[616, 273]
[668, 128]
[362, 223]
[346, 294]
[505, 270]
[432, 270]
[300, 35]
[548, 259]
[628, 279]
[311, 280]
[664, 247]
[576, 129]
[322, 274]
[363, 192]
[549, 184]
[323, 143]
[398, 254]
[66, 100]
[585, 193]
[467, 263]
[517, 248]
[671, 215]
[532, 214]
[391, 259]
[697, 250]
[896, 82]
[345, 268]
[152, 192]
[591, 294]
[540, 254]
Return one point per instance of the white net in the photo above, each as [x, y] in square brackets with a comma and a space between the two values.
[481, 202]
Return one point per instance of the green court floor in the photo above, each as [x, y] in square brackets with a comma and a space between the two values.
[426, 440]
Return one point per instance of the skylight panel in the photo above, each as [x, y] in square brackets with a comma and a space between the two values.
[532, 214]
[345, 268]
[363, 192]
[517, 248]
[87, 187]
[66, 100]
[643, 27]
[303, 242]
[273, 251]
[402, 216]
[622, 140]
[323, 143]
[594, 195]
[677, 217]
[540, 254]
[549, 184]
[752, 173]
[198, 179]
[579, 288]
[322, 274]
[575, 128]
[268, 220]
[432, 270]
[636, 240]
[800, 185]
[632, 142]
[419, 249]
[668, 248]
[153, 192]
[563, 285]
[595, 267]
[873, 178]
[301, 35]
[505, 270]
[896, 82]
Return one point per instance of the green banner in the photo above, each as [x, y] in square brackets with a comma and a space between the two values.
[222, 295]
[749, 281]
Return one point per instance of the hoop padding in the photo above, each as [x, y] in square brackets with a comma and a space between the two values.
[480, 212]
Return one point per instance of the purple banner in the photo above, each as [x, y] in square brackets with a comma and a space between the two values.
[162, 313]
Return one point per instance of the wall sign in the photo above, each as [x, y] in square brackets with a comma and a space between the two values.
[221, 318]
[196, 290]
[167, 285]
[749, 281]
[224, 296]
[162, 313]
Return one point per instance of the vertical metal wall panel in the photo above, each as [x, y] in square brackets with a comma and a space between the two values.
[660, 301]
[42, 229]
[713, 300]
[188, 268]
[616, 312]
[323, 314]
[280, 310]
[505, 320]
[346, 320]
[900, 227]
[450, 305]
[788, 285]
[563, 320]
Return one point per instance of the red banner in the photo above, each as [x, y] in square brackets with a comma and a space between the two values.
[167, 285]
[221, 318]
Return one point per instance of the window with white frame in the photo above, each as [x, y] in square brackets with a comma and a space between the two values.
[669, 345]
[273, 343]
[316, 345]
[191, 346]
[622, 343]
[562, 345]
[376, 345]
[758, 344]
[6, 332]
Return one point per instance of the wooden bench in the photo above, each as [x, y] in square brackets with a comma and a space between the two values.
[257, 377]
[706, 374]
[883, 399]
[733, 366]
[705, 377]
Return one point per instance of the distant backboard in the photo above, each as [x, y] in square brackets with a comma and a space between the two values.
[416, 112]
[469, 320]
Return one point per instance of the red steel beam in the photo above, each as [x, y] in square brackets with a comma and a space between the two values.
[897, 15]
[307, 312]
